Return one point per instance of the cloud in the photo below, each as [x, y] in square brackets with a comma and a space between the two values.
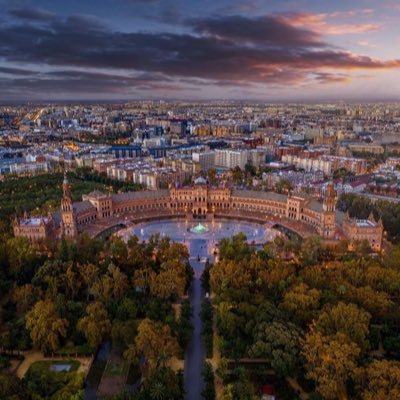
[322, 24]
[72, 82]
[365, 43]
[266, 29]
[32, 14]
[327, 78]
[16, 71]
[222, 51]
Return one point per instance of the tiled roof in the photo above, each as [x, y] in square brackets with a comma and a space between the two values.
[252, 194]
[144, 194]
[83, 206]
[315, 205]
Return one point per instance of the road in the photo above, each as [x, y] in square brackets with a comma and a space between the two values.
[195, 355]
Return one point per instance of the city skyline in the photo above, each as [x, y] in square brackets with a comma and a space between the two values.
[159, 49]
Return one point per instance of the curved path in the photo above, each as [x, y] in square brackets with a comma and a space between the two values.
[195, 355]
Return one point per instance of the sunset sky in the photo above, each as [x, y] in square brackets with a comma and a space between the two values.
[270, 50]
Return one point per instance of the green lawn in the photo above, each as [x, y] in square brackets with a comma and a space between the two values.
[42, 382]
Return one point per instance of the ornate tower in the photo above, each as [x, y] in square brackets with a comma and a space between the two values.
[68, 222]
[328, 218]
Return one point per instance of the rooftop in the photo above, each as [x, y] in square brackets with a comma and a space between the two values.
[252, 194]
[34, 221]
[147, 194]
[364, 223]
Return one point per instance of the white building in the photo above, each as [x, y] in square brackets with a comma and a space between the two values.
[230, 158]
[206, 159]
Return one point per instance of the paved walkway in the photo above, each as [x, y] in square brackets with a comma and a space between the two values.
[195, 354]
[99, 226]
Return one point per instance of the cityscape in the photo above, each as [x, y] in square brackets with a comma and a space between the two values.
[199, 200]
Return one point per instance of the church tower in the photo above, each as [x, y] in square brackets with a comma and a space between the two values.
[328, 222]
[68, 222]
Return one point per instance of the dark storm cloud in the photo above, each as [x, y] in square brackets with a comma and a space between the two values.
[79, 23]
[231, 50]
[272, 30]
[33, 14]
[326, 78]
[71, 82]
[16, 71]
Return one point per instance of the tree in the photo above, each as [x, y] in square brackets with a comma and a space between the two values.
[89, 273]
[280, 343]
[11, 388]
[170, 281]
[96, 325]
[212, 175]
[169, 251]
[347, 319]
[111, 286]
[380, 380]
[123, 333]
[241, 388]
[311, 250]
[283, 186]
[330, 362]
[362, 248]
[235, 248]
[141, 279]
[157, 391]
[154, 341]
[377, 303]
[21, 258]
[88, 248]
[46, 326]
[392, 257]
[185, 326]
[357, 206]
[250, 169]
[301, 302]
[237, 175]
[130, 354]
[73, 281]
[208, 392]
[24, 296]
[117, 251]
[161, 384]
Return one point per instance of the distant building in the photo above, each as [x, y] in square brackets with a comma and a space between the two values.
[312, 161]
[366, 148]
[364, 229]
[206, 159]
[34, 228]
[199, 198]
[29, 168]
[230, 158]
[126, 151]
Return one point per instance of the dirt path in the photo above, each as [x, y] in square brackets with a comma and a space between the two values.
[30, 358]
[294, 384]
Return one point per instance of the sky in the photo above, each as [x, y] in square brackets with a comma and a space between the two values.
[267, 50]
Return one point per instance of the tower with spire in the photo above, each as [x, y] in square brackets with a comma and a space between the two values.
[328, 223]
[68, 220]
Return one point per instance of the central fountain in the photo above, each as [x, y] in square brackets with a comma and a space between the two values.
[199, 228]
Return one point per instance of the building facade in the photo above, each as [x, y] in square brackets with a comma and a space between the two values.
[200, 199]
[358, 230]
[35, 229]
